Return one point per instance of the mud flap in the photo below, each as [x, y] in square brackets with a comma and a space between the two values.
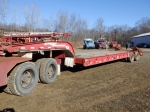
[69, 61]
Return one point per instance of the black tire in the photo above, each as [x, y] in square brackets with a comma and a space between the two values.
[136, 56]
[7, 90]
[48, 71]
[84, 47]
[97, 47]
[131, 58]
[38, 65]
[23, 79]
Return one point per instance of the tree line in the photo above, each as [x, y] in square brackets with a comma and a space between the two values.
[31, 21]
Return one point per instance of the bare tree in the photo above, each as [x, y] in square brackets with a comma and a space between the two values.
[143, 25]
[16, 19]
[32, 16]
[61, 22]
[46, 25]
[3, 10]
[119, 33]
[100, 27]
[72, 23]
[51, 23]
[81, 30]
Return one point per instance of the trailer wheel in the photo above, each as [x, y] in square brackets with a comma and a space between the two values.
[48, 71]
[38, 65]
[84, 47]
[136, 56]
[131, 58]
[7, 90]
[23, 79]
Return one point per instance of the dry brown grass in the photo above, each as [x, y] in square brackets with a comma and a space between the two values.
[113, 87]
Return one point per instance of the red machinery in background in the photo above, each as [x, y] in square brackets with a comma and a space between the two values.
[114, 44]
[102, 44]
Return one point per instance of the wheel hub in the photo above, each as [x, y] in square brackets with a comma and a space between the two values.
[26, 79]
[51, 71]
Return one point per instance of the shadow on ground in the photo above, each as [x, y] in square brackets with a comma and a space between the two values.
[8, 110]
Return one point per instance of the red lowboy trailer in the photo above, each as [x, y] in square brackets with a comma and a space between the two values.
[24, 64]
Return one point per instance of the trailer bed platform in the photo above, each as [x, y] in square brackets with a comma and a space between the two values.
[95, 53]
[97, 56]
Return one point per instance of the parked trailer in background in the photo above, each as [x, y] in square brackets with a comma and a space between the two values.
[23, 64]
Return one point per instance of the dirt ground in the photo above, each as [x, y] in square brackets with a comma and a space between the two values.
[113, 87]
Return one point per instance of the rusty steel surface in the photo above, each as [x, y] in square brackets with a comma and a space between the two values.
[6, 64]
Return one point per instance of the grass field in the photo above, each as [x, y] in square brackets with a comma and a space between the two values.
[113, 87]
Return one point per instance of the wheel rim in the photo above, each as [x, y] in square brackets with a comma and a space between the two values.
[51, 70]
[26, 79]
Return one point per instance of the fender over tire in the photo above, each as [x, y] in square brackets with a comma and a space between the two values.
[48, 70]
[23, 79]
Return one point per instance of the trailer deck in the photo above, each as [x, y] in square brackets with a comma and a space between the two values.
[88, 57]
[95, 53]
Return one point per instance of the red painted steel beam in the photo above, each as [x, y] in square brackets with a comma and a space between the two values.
[40, 46]
[101, 59]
